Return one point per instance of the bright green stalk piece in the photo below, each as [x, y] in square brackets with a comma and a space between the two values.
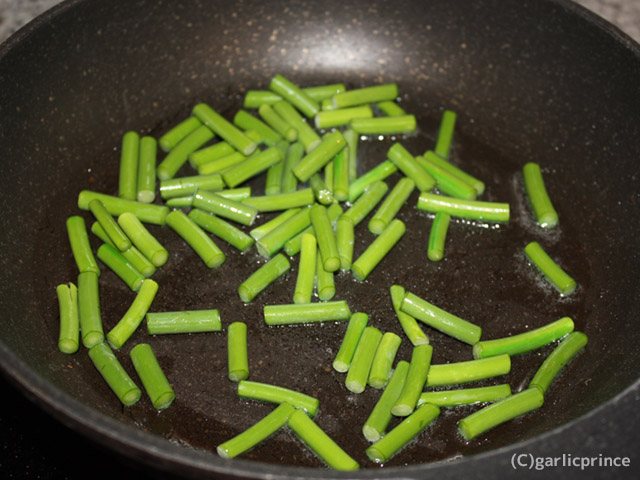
[366, 202]
[258, 432]
[402, 434]
[224, 129]
[416, 379]
[291, 314]
[282, 201]
[153, 379]
[263, 277]
[246, 121]
[465, 396]
[261, 230]
[273, 181]
[124, 269]
[132, 254]
[322, 92]
[128, 175]
[383, 360]
[143, 239]
[294, 95]
[378, 249]
[364, 95]
[69, 332]
[170, 139]
[221, 164]
[447, 182]
[327, 104]
[277, 123]
[556, 361]
[275, 394]
[553, 272]
[325, 283]
[407, 322]
[289, 182]
[306, 270]
[408, 165]
[379, 418]
[500, 412]
[441, 320]
[292, 246]
[342, 116]
[470, 371]
[146, 177]
[469, 209]
[352, 143]
[391, 205]
[184, 321]
[438, 236]
[325, 236]
[209, 154]
[319, 156]
[376, 174]
[358, 372]
[384, 125]
[256, 98]
[320, 443]
[80, 247]
[146, 212]
[355, 328]
[252, 166]
[273, 241]
[345, 239]
[341, 175]
[237, 352]
[179, 155]
[524, 342]
[180, 202]
[321, 191]
[114, 374]
[224, 207]
[183, 186]
[306, 135]
[133, 317]
[237, 194]
[445, 133]
[221, 229]
[89, 309]
[390, 108]
[443, 164]
[197, 238]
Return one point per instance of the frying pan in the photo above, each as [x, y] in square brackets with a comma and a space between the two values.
[540, 81]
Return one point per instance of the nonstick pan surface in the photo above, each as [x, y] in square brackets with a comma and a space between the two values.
[531, 82]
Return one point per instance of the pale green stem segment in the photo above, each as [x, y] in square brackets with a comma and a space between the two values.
[224, 129]
[237, 352]
[407, 322]
[327, 104]
[179, 155]
[114, 374]
[128, 174]
[221, 229]
[289, 182]
[146, 189]
[469, 209]
[143, 239]
[225, 207]
[391, 205]
[408, 165]
[292, 246]
[170, 139]
[319, 156]
[556, 361]
[384, 125]
[306, 135]
[441, 320]
[445, 133]
[273, 181]
[416, 379]
[356, 326]
[438, 236]
[132, 254]
[252, 166]
[246, 121]
[153, 379]
[257, 433]
[306, 270]
[320, 443]
[553, 272]
[358, 372]
[275, 394]
[325, 236]
[383, 360]
[133, 317]
[378, 249]
[376, 174]
[546, 215]
[465, 396]
[69, 331]
[321, 190]
[273, 241]
[336, 310]
[189, 321]
[325, 282]
[196, 238]
[500, 412]
[352, 139]
[184, 186]
[282, 201]
[341, 175]
[263, 277]
[390, 108]
[470, 371]
[146, 212]
[380, 417]
[524, 342]
[440, 162]
[323, 92]
[342, 116]
[89, 309]
[294, 95]
[407, 430]
[277, 123]
[80, 246]
[207, 155]
[261, 230]
[360, 96]
[447, 182]
[366, 202]
[256, 98]
[124, 269]
[222, 164]
[345, 239]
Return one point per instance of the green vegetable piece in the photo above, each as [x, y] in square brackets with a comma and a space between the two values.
[500, 412]
[340, 117]
[128, 175]
[289, 182]
[341, 175]
[221, 164]
[261, 230]
[306, 135]
[319, 156]
[321, 190]
[445, 133]
[325, 236]
[114, 374]
[170, 139]
[291, 314]
[256, 98]
[224, 207]
[69, 332]
[408, 165]
[438, 161]
[323, 92]
[282, 201]
[152, 377]
[263, 277]
[252, 166]
[133, 317]
[179, 155]
[325, 283]
[391, 205]
[292, 246]
[132, 254]
[360, 367]
[384, 125]
[356, 326]
[364, 95]
[345, 239]
[183, 186]
[189, 321]
[277, 123]
[273, 182]
[366, 202]
[273, 241]
[224, 129]
[465, 396]
[143, 239]
[196, 238]
[89, 309]
[470, 371]
[447, 182]
[306, 270]
[207, 155]
[80, 247]
[275, 394]
[383, 360]
[294, 95]
[146, 188]
[376, 174]
[407, 322]
[553, 272]
[221, 229]
[416, 379]
[469, 209]
[390, 108]
[146, 212]
[246, 121]
[378, 249]
[237, 352]
[124, 269]
[438, 236]
[352, 144]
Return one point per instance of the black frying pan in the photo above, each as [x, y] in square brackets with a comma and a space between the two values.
[543, 82]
